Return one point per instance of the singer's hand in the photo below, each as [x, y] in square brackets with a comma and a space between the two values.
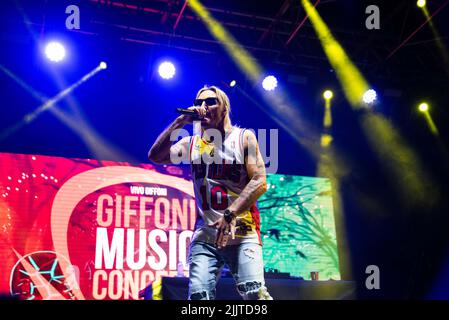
[201, 112]
[225, 231]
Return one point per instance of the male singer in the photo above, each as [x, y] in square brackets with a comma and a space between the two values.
[227, 229]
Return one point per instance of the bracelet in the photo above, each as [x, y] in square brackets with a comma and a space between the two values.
[228, 215]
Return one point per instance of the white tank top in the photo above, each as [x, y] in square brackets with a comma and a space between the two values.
[217, 185]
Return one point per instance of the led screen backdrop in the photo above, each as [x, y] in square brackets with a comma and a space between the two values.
[298, 226]
[89, 229]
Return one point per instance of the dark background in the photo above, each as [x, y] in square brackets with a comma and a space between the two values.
[129, 105]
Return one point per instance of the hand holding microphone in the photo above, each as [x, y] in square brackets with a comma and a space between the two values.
[192, 113]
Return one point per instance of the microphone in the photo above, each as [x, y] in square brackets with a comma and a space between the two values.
[188, 112]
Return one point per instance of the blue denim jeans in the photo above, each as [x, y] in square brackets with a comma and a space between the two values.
[245, 261]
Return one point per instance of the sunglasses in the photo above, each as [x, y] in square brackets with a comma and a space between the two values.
[208, 101]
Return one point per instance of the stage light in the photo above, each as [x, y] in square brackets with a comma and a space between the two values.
[166, 70]
[55, 51]
[369, 96]
[103, 65]
[352, 81]
[233, 83]
[423, 107]
[421, 3]
[269, 83]
[328, 94]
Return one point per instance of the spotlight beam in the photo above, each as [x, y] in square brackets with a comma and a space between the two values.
[327, 122]
[404, 167]
[306, 137]
[438, 41]
[87, 134]
[351, 79]
[47, 105]
[402, 163]
[280, 108]
[416, 31]
[239, 54]
[430, 123]
[99, 146]
[331, 166]
[34, 93]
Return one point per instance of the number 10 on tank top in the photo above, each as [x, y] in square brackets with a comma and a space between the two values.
[218, 198]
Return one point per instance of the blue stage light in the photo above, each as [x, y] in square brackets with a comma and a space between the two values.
[269, 83]
[55, 51]
[166, 70]
[369, 96]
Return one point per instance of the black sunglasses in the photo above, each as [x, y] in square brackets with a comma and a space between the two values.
[208, 101]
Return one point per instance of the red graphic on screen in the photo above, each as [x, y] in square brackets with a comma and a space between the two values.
[38, 276]
[150, 207]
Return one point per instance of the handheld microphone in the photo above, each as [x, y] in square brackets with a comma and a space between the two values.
[188, 112]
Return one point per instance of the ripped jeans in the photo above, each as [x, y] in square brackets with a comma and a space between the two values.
[245, 262]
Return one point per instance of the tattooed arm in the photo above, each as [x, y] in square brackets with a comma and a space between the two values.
[254, 189]
[255, 167]
[163, 149]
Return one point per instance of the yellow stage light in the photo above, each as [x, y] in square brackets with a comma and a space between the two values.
[352, 81]
[328, 94]
[423, 107]
[421, 3]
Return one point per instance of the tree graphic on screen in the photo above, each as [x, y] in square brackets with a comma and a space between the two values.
[297, 225]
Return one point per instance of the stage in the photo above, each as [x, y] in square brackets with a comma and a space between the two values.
[176, 288]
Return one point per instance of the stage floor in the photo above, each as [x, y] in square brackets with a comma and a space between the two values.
[280, 289]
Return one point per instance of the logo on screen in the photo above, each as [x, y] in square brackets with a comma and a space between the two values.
[39, 276]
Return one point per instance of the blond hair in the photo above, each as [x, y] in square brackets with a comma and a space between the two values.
[222, 97]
